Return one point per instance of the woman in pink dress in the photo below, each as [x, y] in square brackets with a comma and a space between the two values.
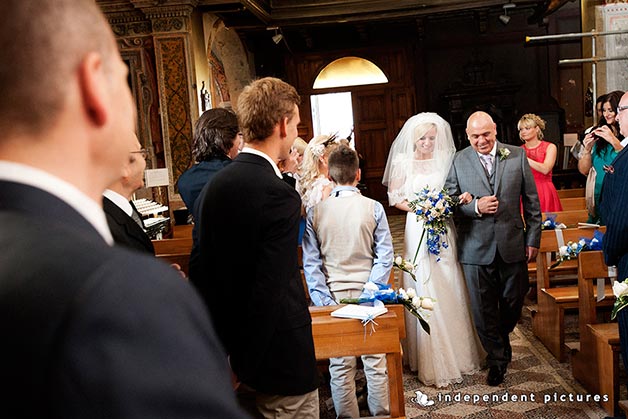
[541, 157]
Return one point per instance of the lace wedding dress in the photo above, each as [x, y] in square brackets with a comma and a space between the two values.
[453, 348]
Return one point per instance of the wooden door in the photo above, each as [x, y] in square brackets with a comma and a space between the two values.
[378, 115]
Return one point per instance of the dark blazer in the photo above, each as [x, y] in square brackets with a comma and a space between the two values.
[613, 206]
[249, 276]
[192, 181]
[93, 331]
[125, 230]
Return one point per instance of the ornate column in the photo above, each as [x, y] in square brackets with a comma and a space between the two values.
[171, 37]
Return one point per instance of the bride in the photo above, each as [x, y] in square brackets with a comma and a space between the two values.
[420, 157]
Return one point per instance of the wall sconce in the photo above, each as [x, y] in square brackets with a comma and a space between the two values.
[505, 18]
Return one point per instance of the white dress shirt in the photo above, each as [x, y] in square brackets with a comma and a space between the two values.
[120, 201]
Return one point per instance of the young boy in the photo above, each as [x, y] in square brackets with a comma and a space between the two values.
[347, 243]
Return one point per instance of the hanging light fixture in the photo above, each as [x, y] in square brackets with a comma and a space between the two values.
[504, 18]
[277, 37]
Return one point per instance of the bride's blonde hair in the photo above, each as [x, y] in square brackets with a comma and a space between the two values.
[319, 146]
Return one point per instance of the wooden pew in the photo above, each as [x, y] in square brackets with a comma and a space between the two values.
[596, 363]
[570, 204]
[335, 337]
[548, 320]
[570, 193]
[175, 251]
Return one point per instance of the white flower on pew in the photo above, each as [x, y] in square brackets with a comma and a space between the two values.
[427, 303]
[620, 289]
[405, 266]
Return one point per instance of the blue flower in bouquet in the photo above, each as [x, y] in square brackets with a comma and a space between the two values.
[434, 208]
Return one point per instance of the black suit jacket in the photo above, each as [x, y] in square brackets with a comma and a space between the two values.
[125, 230]
[92, 331]
[613, 205]
[249, 276]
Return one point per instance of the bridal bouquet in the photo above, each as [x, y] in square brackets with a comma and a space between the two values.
[416, 305]
[433, 207]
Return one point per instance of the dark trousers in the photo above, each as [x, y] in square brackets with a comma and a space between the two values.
[496, 292]
[622, 322]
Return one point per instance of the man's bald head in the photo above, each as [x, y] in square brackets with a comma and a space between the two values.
[41, 45]
[482, 132]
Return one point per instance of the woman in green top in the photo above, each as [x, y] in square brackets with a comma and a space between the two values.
[601, 146]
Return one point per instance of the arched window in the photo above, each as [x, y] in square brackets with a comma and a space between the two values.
[349, 71]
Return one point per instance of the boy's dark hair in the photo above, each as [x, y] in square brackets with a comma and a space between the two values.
[343, 163]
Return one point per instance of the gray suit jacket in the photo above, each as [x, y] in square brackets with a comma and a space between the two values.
[479, 237]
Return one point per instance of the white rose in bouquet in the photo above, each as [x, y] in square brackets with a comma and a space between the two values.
[399, 260]
[416, 301]
[427, 303]
[411, 293]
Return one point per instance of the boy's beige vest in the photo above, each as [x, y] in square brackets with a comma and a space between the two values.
[344, 227]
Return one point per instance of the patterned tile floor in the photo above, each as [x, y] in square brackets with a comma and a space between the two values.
[533, 381]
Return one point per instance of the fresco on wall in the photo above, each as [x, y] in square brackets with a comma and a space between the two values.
[220, 88]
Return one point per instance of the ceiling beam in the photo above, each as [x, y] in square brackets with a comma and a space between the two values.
[260, 9]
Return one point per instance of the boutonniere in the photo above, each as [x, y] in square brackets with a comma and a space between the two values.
[503, 153]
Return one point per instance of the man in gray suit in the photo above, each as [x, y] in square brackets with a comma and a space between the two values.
[494, 245]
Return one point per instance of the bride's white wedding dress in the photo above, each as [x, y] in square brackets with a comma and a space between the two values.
[453, 348]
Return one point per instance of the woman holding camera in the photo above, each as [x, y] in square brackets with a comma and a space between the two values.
[601, 146]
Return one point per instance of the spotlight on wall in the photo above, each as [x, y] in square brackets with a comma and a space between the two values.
[277, 38]
[505, 18]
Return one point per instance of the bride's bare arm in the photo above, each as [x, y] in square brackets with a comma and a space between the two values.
[403, 206]
[465, 198]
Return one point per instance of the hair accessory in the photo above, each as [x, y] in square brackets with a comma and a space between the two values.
[318, 150]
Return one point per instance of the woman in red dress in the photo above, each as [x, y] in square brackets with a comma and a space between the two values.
[541, 157]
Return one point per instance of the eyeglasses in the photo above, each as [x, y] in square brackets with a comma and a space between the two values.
[143, 152]
[621, 108]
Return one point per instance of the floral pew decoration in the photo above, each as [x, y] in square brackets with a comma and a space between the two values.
[620, 290]
[405, 266]
[383, 294]
[551, 224]
[571, 250]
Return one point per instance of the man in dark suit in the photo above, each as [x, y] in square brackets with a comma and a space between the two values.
[124, 221]
[493, 245]
[613, 204]
[88, 330]
[249, 275]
